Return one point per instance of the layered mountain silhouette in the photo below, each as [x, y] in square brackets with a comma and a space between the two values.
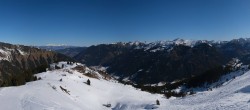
[138, 62]
[164, 60]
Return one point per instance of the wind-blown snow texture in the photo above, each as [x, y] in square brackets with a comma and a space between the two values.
[40, 95]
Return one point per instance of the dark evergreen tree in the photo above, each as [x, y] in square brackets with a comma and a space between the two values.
[157, 102]
[88, 82]
[35, 78]
[57, 67]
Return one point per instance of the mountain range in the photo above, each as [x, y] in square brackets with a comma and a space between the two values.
[167, 61]
[115, 76]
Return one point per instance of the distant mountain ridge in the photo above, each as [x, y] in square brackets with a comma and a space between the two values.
[164, 44]
[55, 47]
[72, 51]
[164, 60]
[67, 50]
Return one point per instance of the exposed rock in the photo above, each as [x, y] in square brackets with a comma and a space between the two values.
[18, 63]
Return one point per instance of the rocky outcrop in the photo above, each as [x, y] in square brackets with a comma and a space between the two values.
[18, 63]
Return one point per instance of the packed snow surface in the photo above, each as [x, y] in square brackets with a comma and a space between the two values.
[46, 94]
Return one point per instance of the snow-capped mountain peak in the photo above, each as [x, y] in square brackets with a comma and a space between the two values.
[190, 43]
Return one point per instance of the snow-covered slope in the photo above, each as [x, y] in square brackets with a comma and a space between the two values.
[46, 94]
[232, 95]
[40, 95]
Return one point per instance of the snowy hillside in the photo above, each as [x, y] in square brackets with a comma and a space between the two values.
[71, 93]
[234, 94]
[40, 95]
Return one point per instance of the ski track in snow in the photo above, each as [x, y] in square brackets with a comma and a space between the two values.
[39, 95]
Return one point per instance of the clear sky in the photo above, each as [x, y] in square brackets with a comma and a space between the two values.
[88, 22]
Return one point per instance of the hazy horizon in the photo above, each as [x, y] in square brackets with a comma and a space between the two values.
[58, 44]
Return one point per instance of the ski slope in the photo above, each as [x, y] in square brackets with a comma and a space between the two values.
[46, 94]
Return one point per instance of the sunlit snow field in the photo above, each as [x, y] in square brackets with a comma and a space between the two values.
[46, 94]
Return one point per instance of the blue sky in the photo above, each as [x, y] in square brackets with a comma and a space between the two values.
[88, 22]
